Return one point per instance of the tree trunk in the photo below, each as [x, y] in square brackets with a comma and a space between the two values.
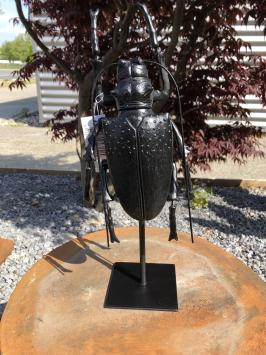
[88, 172]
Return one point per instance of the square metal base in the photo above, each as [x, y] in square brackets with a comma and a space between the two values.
[125, 291]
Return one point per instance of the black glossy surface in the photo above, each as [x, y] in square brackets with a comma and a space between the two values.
[126, 291]
[140, 154]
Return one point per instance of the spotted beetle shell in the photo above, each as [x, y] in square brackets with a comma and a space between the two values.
[139, 152]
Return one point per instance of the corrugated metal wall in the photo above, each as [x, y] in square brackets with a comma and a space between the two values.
[254, 35]
[53, 96]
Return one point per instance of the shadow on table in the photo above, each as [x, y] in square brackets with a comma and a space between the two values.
[2, 308]
[76, 252]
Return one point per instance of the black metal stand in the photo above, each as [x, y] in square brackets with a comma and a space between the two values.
[142, 258]
[142, 285]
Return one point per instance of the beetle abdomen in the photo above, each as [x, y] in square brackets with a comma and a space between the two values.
[139, 152]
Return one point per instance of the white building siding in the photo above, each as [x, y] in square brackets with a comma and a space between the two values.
[255, 36]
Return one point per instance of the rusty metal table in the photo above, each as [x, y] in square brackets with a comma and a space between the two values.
[57, 308]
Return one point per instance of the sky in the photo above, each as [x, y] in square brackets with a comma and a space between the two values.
[7, 31]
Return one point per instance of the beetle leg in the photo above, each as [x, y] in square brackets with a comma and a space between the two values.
[110, 225]
[107, 209]
[89, 155]
[91, 141]
[179, 141]
[172, 222]
[173, 198]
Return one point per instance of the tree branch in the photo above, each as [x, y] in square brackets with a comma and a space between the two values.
[58, 61]
[116, 33]
[174, 37]
[119, 46]
[198, 31]
[120, 5]
[177, 22]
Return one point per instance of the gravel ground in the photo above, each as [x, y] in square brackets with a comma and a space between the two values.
[41, 212]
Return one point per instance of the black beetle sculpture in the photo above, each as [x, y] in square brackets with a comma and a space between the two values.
[138, 143]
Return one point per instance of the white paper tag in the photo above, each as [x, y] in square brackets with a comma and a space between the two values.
[87, 126]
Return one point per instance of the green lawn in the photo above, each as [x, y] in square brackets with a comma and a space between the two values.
[10, 66]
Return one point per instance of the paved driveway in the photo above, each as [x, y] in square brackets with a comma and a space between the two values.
[6, 74]
[25, 147]
[253, 169]
[12, 102]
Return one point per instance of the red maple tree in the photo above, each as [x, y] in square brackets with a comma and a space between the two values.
[202, 52]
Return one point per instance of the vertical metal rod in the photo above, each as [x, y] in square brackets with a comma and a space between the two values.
[142, 253]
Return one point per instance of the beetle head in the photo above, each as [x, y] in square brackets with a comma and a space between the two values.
[134, 88]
